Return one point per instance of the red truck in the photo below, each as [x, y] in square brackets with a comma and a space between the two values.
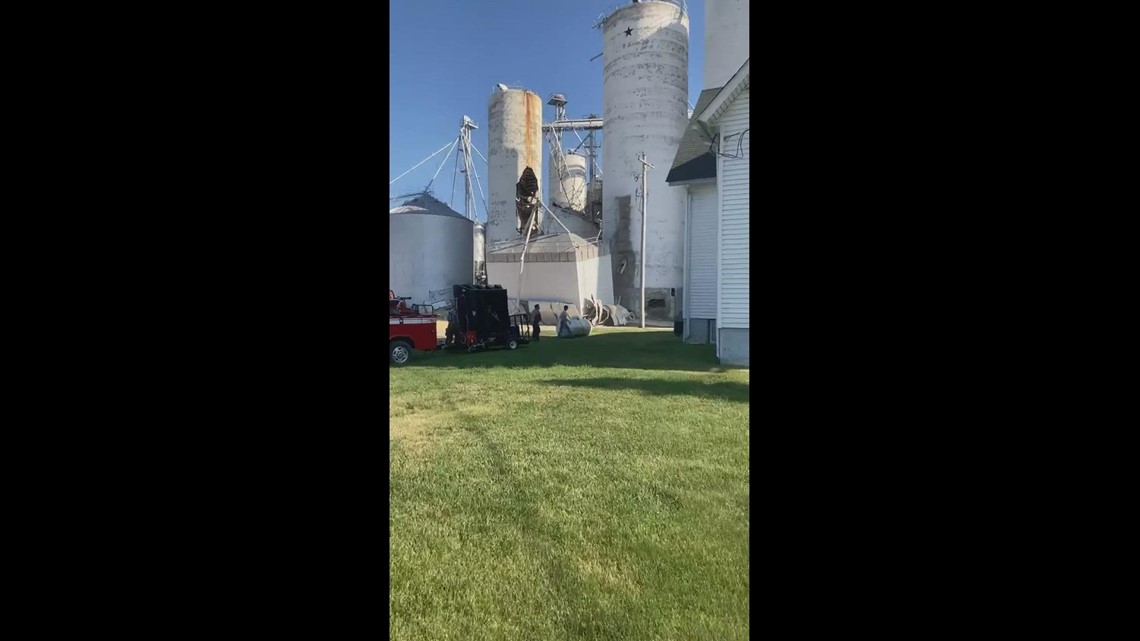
[408, 329]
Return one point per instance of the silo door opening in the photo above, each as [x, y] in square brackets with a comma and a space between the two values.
[656, 309]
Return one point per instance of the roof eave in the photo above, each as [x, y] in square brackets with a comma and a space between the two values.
[702, 167]
[720, 103]
[693, 181]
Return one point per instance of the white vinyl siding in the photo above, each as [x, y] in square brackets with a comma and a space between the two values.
[732, 176]
[702, 252]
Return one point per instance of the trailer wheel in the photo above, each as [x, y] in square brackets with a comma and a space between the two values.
[512, 344]
[399, 352]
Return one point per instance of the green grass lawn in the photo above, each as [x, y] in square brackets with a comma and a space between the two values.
[588, 488]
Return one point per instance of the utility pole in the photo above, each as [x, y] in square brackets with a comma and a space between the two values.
[645, 167]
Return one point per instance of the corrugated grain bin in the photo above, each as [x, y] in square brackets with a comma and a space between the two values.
[430, 249]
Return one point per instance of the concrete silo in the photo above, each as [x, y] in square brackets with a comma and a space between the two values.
[645, 95]
[430, 249]
[726, 41]
[567, 182]
[514, 142]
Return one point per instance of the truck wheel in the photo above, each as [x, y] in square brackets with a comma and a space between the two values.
[399, 352]
[512, 344]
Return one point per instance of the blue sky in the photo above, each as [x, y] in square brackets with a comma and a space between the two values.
[447, 56]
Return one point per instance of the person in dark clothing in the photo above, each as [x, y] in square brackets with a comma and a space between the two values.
[452, 327]
[535, 321]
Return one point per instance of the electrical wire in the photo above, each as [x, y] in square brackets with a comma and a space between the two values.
[714, 148]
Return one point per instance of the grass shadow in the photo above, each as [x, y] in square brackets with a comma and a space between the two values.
[721, 390]
[623, 349]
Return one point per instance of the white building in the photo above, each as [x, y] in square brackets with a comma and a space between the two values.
[558, 267]
[712, 166]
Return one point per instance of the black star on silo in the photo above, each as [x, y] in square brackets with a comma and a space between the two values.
[629, 31]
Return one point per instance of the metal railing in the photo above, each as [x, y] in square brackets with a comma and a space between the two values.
[606, 16]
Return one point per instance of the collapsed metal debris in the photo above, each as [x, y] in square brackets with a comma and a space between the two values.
[526, 201]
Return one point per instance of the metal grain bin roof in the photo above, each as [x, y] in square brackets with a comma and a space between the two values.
[425, 204]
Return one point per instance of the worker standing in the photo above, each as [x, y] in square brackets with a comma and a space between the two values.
[564, 320]
[452, 329]
[535, 321]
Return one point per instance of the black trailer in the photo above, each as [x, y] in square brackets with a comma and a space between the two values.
[484, 321]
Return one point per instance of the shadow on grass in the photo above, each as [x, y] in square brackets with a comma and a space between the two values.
[729, 391]
[619, 349]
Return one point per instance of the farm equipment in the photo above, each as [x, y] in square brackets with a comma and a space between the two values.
[483, 321]
[480, 321]
[409, 328]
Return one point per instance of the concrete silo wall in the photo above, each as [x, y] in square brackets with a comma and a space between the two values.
[645, 94]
